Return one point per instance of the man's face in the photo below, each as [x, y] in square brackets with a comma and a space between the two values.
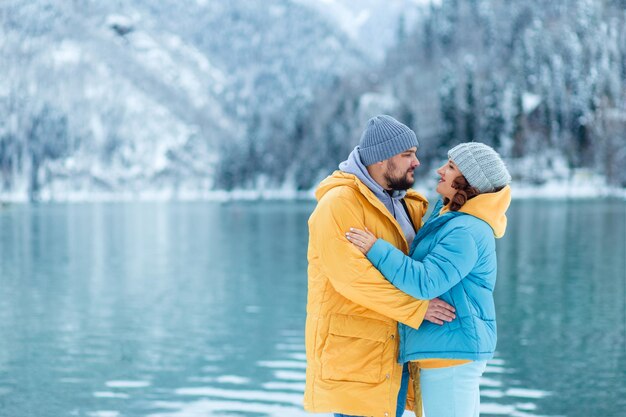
[399, 170]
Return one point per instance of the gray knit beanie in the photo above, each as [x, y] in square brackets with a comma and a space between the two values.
[383, 138]
[481, 166]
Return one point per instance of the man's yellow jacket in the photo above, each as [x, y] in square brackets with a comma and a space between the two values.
[352, 310]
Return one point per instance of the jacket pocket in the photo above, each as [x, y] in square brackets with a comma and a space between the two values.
[354, 349]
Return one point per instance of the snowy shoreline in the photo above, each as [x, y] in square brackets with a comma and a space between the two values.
[549, 191]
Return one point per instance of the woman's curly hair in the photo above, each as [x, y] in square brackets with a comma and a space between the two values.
[464, 192]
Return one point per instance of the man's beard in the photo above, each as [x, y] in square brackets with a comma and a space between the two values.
[401, 183]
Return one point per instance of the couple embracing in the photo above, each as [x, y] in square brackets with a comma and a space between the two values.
[400, 312]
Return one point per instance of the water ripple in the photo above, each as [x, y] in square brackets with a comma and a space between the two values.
[283, 364]
[265, 396]
[107, 394]
[226, 408]
[128, 384]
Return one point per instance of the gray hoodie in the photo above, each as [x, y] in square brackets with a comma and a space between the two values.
[353, 165]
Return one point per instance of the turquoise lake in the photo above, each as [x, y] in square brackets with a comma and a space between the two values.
[197, 309]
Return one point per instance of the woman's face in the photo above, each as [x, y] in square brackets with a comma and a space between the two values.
[448, 173]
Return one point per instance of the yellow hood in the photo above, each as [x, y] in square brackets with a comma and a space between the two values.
[340, 178]
[491, 208]
[337, 179]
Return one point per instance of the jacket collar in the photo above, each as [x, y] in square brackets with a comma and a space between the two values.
[340, 178]
[490, 208]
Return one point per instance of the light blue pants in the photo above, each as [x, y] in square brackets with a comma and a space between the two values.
[453, 391]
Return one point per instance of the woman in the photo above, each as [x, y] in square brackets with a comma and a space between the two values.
[453, 257]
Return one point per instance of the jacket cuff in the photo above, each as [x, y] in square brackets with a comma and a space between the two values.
[377, 252]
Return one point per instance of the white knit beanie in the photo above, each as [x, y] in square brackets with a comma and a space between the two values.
[481, 166]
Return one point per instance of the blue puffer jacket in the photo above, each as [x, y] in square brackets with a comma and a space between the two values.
[453, 257]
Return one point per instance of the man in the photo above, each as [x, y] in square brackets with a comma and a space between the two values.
[352, 311]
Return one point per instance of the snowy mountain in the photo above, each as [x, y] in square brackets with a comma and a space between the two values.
[373, 25]
[143, 96]
[544, 84]
[177, 99]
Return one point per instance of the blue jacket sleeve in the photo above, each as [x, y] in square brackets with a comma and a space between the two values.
[451, 260]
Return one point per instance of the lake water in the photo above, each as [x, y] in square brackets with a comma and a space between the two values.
[197, 309]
